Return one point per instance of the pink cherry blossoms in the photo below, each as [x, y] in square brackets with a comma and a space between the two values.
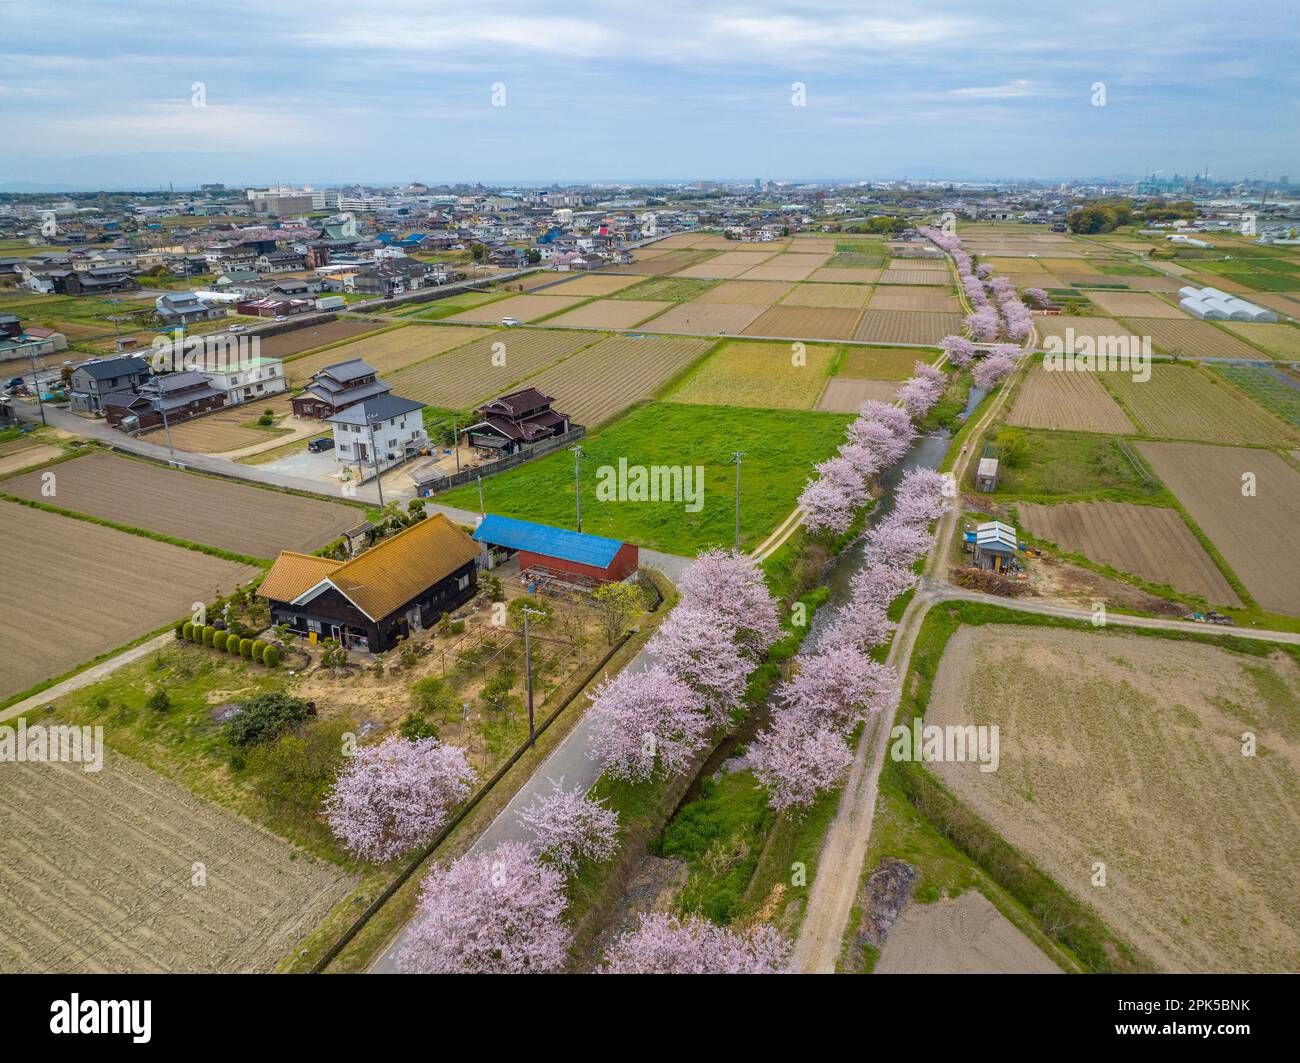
[959, 350]
[396, 795]
[988, 371]
[489, 913]
[1038, 297]
[569, 826]
[699, 646]
[730, 585]
[983, 324]
[664, 944]
[1016, 318]
[644, 721]
[925, 388]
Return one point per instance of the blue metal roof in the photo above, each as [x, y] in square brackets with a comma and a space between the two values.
[567, 545]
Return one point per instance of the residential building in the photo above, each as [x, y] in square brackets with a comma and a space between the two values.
[378, 433]
[508, 422]
[185, 308]
[92, 381]
[338, 386]
[392, 591]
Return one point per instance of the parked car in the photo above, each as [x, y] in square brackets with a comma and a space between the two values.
[318, 445]
[510, 322]
[235, 328]
[281, 317]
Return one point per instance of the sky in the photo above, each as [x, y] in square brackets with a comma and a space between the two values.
[139, 93]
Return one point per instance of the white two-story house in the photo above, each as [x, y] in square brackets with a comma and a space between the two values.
[378, 433]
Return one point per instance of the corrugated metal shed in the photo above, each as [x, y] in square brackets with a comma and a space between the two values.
[567, 545]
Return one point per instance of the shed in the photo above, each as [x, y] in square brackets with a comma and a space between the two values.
[986, 476]
[560, 550]
[995, 545]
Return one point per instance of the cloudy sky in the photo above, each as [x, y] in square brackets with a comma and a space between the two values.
[137, 93]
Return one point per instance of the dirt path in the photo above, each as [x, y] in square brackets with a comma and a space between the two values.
[830, 901]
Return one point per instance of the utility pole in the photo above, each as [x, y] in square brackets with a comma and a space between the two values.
[528, 667]
[577, 480]
[736, 458]
[36, 383]
[374, 457]
[455, 441]
[162, 409]
[482, 511]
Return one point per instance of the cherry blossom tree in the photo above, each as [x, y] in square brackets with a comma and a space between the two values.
[396, 795]
[879, 584]
[796, 763]
[836, 687]
[699, 646]
[897, 543]
[983, 271]
[959, 349]
[974, 292]
[888, 443]
[1016, 318]
[827, 506]
[1001, 287]
[891, 417]
[983, 324]
[489, 913]
[1038, 297]
[920, 496]
[643, 721]
[865, 459]
[665, 944]
[861, 623]
[570, 826]
[988, 371]
[731, 584]
[919, 395]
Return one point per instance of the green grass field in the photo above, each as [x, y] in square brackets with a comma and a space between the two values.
[1266, 387]
[1064, 466]
[757, 374]
[666, 289]
[780, 447]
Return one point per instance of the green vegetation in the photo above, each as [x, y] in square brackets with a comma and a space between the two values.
[669, 434]
[1267, 387]
[1074, 466]
[666, 289]
[264, 716]
[1127, 269]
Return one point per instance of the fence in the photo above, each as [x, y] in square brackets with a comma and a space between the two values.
[430, 482]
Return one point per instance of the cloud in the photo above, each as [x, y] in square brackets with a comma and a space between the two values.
[1011, 90]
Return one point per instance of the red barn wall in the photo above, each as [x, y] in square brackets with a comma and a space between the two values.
[624, 563]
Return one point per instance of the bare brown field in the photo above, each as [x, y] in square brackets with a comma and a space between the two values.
[745, 258]
[1136, 304]
[220, 431]
[200, 509]
[679, 240]
[881, 363]
[931, 300]
[1016, 264]
[805, 322]
[845, 394]
[800, 260]
[1280, 341]
[778, 273]
[1188, 337]
[1216, 280]
[1255, 534]
[753, 293]
[714, 270]
[1186, 402]
[1148, 541]
[851, 275]
[12, 459]
[602, 381]
[662, 265]
[1168, 285]
[96, 877]
[589, 284]
[1127, 750]
[387, 352]
[906, 326]
[543, 279]
[929, 265]
[842, 296]
[487, 367]
[1068, 265]
[915, 276]
[287, 344]
[1287, 305]
[705, 318]
[96, 587]
[961, 935]
[1033, 280]
[1072, 401]
[524, 307]
[610, 313]
[1090, 327]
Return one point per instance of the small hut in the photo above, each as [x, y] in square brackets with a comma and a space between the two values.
[995, 546]
[986, 476]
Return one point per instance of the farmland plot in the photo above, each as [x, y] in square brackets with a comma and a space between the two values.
[915, 276]
[931, 300]
[610, 314]
[881, 363]
[524, 307]
[843, 296]
[96, 869]
[715, 270]
[907, 326]
[1278, 340]
[845, 394]
[1196, 338]
[120, 587]
[221, 431]
[1255, 534]
[1127, 749]
[756, 374]
[663, 265]
[1068, 400]
[604, 380]
[1136, 304]
[837, 275]
[805, 322]
[753, 293]
[1062, 326]
[231, 516]
[1271, 388]
[1184, 402]
[932, 264]
[486, 367]
[589, 284]
[786, 271]
[1148, 541]
[387, 352]
[287, 344]
[704, 319]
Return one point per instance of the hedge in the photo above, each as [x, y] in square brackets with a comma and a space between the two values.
[220, 639]
[259, 648]
[180, 629]
[246, 648]
[187, 631]
[209, 633]
[271, 657]
[232, 645]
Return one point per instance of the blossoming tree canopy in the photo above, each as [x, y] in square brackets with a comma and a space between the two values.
[645, 721]
[569, 826]
[496, 912]
[666, 944]
[396, 795]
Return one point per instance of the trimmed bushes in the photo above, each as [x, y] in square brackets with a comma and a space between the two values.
[208, 633]
[220, 639]
[232, 645]
[187, 631]
[246, 648]
[258, 651]
[271, 657]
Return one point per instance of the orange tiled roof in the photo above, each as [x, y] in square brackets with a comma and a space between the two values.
[294, 574]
